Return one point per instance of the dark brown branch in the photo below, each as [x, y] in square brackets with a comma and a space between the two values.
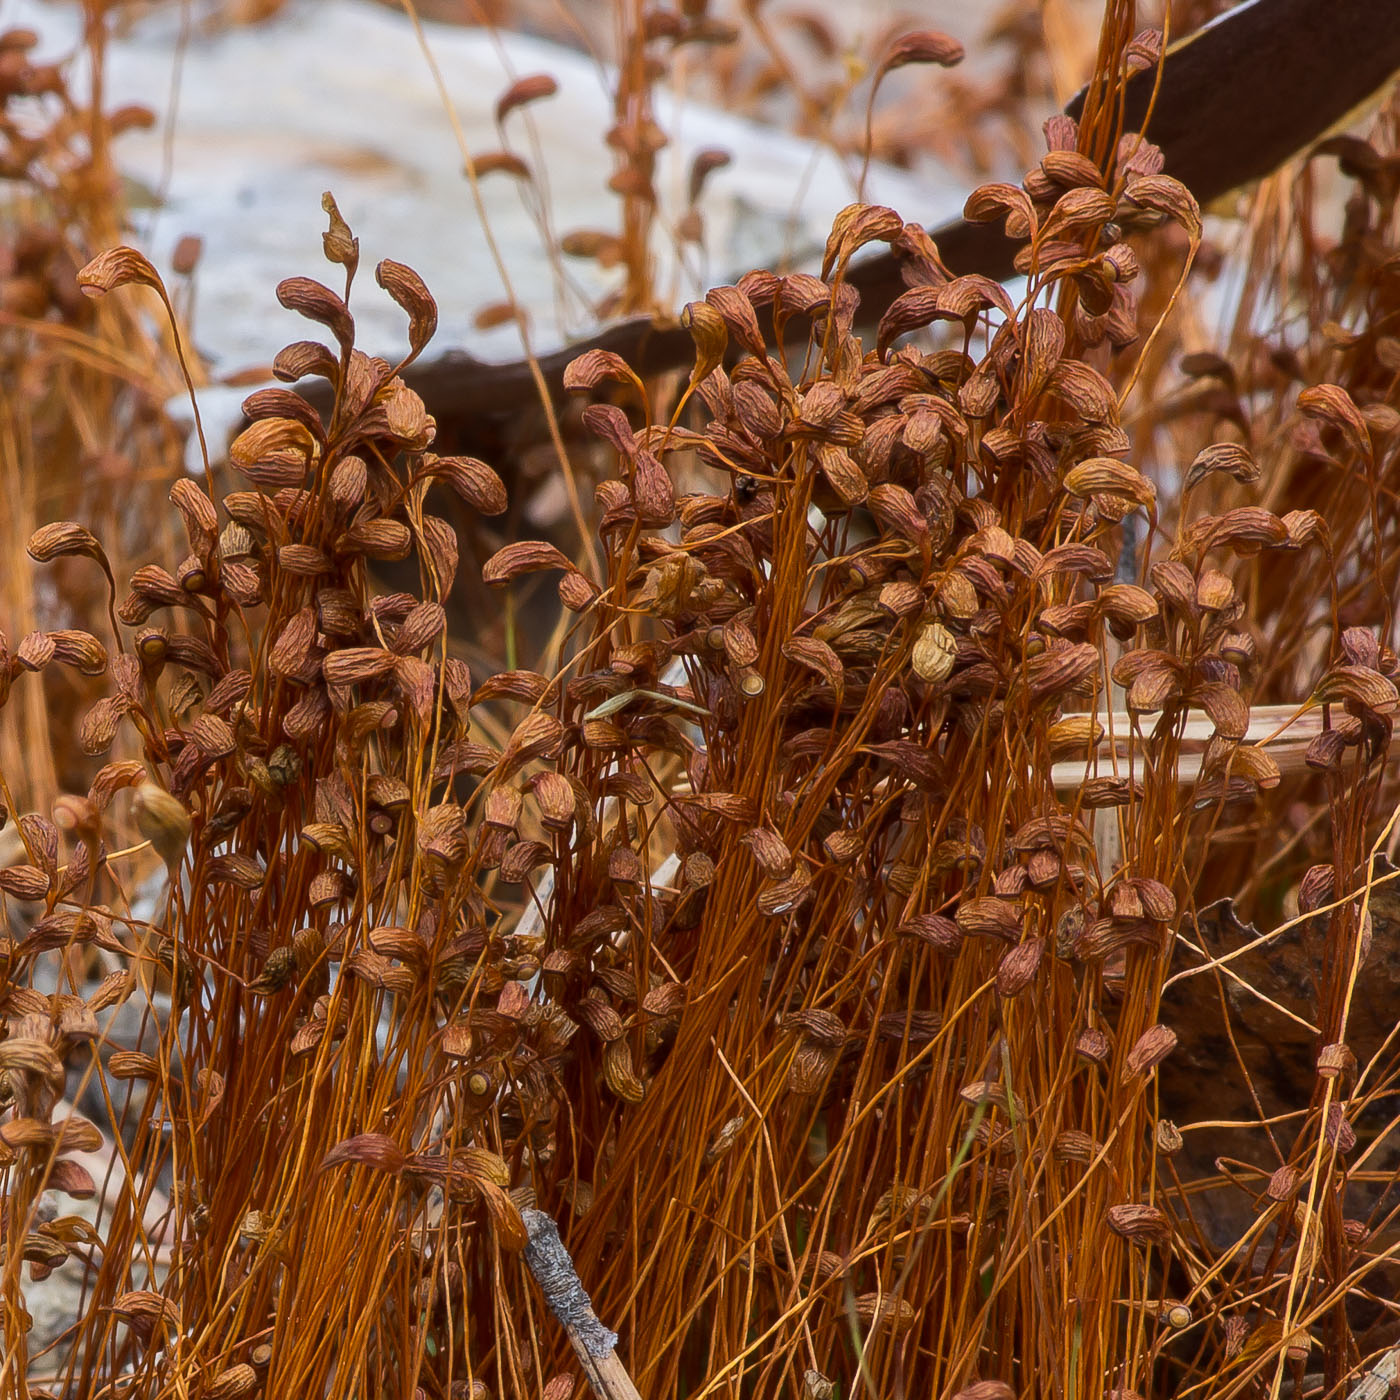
[1237, 99]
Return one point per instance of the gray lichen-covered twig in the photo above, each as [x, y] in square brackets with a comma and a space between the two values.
[1380, 1380]
[594, 1345]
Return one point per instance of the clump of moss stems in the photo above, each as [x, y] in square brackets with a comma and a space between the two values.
[758, 942]
[84, 381]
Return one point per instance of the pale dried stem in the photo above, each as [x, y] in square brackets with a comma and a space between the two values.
[1282, 731]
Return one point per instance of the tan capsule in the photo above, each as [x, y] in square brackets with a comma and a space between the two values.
[1177, 1316]
[152, 643]
[750, 682]
[162, 820]
[934, 653]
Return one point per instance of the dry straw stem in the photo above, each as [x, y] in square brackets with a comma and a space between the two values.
[1282, 732]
